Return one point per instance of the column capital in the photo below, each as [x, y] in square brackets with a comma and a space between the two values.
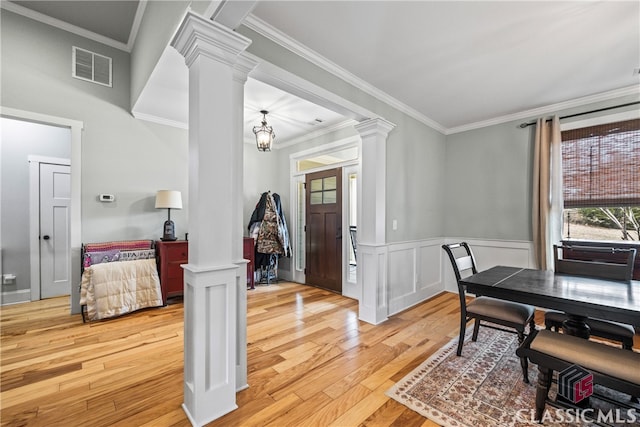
[199, 36]
[243, 66]
[377, 126]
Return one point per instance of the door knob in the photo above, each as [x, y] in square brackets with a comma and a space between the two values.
[46, 237]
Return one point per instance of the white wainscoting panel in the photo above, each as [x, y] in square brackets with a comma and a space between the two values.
[414, 273]
[372, 279]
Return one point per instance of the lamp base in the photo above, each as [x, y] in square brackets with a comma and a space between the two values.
[169, 231]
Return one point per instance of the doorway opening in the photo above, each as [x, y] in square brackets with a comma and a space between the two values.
[74, 129]
[340, 162]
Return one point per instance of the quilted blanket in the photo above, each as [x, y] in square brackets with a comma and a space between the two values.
[115, 288]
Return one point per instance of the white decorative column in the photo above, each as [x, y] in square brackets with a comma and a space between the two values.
[242, 68]
[212, 53]
[372, 249]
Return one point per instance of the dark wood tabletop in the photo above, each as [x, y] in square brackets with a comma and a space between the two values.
[580, 296]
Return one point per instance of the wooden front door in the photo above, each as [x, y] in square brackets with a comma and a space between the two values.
[324, 229]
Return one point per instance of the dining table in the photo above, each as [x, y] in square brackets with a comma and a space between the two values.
[577, 296]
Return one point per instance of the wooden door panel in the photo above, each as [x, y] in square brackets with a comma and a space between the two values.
[324, 229]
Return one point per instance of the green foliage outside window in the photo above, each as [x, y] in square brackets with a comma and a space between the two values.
[625, 219]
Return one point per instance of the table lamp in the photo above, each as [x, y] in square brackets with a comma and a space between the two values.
[168, 199]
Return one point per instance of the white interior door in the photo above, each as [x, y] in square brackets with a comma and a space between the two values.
[55, 235]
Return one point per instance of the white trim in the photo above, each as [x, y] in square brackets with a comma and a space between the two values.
[34, 229]
[14, 297]
[137, 20]
[65, 26]
[595, 121]
[313, 134]
[50, 160]
[76, 176]
[297, 274]
[263, 28]
[160, 120]
[349, 289]
[340, 144]
[548, 109]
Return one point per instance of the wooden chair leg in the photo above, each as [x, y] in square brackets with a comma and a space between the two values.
[476, 328]
[463, 328]
[542, 390]
[524, 362]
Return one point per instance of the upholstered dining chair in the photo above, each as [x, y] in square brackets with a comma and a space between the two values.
[622, 271]
[511, 315]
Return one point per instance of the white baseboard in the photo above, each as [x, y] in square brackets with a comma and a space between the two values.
[15, 297]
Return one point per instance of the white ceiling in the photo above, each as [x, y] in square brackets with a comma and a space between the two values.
[464, 62]
[452, 64]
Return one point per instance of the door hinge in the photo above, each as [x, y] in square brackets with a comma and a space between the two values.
[305, 228]
[305, 271]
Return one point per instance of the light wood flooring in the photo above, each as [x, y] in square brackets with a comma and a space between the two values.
[310, 361]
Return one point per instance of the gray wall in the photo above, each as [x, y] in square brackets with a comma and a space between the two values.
[129, 158]
[19, 141]
[488, 177]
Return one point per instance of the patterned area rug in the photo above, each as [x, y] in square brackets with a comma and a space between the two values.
[484, 387]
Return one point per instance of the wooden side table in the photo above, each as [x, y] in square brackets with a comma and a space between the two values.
[169, 256]
[248, 252]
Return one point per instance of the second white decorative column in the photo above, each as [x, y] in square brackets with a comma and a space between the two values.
[213, 54]
[372, 248]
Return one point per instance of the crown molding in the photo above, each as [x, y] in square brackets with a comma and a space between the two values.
[549, 109]
[263, 28]
[137, 20]
[65, 26]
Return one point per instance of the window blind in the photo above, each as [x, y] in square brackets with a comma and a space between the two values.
[601, 165]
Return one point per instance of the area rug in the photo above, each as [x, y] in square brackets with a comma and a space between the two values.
[484, 387]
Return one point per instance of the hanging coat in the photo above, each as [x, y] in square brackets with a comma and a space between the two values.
[270, 236]
[283, 224]
[269, 230]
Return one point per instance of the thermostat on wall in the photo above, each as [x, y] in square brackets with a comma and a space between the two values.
[107, 198]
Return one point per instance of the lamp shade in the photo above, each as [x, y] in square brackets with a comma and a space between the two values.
[168, 199]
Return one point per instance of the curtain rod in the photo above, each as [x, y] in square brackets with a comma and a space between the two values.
[524, 125]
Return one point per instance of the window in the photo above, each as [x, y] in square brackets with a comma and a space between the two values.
[327, 159]
[323, 191]
[601, 181]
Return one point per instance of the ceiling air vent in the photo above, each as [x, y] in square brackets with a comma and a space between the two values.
[91, 67]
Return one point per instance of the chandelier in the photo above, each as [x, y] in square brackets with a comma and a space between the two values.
[264, 134]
